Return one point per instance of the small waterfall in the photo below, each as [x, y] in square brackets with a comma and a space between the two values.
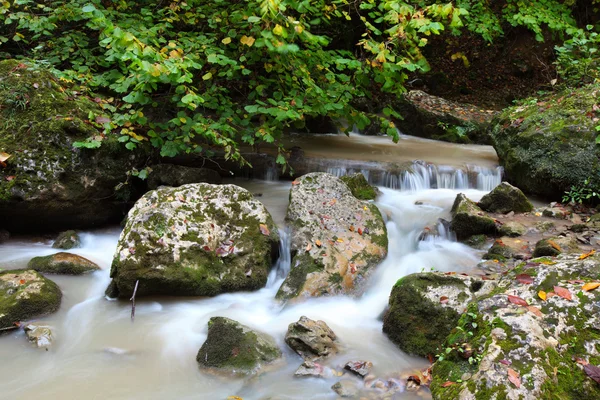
[283, 265]
[487, 179]
[272, 173]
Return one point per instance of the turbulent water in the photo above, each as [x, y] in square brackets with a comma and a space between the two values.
[99, 353]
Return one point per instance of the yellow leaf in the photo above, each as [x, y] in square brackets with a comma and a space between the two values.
[278, 30]
[586, 255]
[207, 76]
[318, 243]
[227, 40]
[299, 29]
[247, 40]
[542, 295]
[590, 286]
[340, 240]
[174, 54]
[4, 156]
[234, 398]
[183, 120]
[172, 45]
[365, 208]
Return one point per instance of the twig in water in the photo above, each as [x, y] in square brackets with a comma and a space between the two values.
[133, 300]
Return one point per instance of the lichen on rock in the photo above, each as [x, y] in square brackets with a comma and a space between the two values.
[195, 240]
[63, 263]
[505, 198]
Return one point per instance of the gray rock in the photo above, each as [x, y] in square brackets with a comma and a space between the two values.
[346, 388]
[512, 229]
[195, 240]
[312, 340]
[468, 219]
[39, 334]
[63, 263]
[360, 368]
[313, 369]
[505, 198]
[67, 240]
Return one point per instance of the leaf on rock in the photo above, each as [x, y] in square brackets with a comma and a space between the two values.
[562, 292]
[308, 247]
[525, 279]
[554, 245]
[586, 255]
[444, 299]
[542, 295]
[590, 286]
[592, 371]
[514, 378]
[448, 383]
[296, 182]
[264, 230]
[517, 300]
[535, 311]
[318, 243]
[576, 281]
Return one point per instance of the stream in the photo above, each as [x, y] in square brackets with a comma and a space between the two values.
[99, 353]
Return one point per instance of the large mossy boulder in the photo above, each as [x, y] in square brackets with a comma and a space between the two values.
[67, 240]
[469, 220]
[336, 239]
[63, 263]
[505, 198]
[548, 145]
[424, 308]
[235, 349]
[433, 117]
[195, 240]
[25, 294]
[48, 184]
[529, 338]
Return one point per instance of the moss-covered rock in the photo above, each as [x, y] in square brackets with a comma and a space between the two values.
[425, 307]
[359, 186]
[63, 263]
[468, 219]
[505, 198]
[54, 185]
[25, 294]
[336, 239]
[551, 247]
[506, 248]
[233, 348]
[195, 240]
[548, 145]
[67, 240]
[512, 229]
[540, 340]
[476, 241]
[177, 175]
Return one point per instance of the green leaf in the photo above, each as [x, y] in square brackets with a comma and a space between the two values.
[253, 19]
[88, 8]
[207, 76]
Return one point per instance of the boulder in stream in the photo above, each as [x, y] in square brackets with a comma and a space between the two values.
[523, 345]
[195, 240]
[25, 294]
[512, 229]
[233, 348]
[551, 247]
[312, 340]
[425, 307]
[360, 187]
[67, 240]
[39, 334]
[505, 198]
[468, 219]
[63, 263]
[336, 239]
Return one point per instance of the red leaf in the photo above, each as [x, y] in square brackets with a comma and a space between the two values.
[444, 299]
[505, 362]
[525, 279]
[448, 383]
[592, 371]
[513, 377]
[535, 311]
[562, 292]
[517, 300]
[296, 182]
[264, 230]
[576, 281]
[206, 248]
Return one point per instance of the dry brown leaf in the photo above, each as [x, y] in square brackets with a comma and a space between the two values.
[590, 286]
[308, 247]
[525, 279]
[444, 299]
[592, 371]
[554, 245]
[517, 300]
[514, 378]
[4, 156]
[264, 230]
[562, 292]
[448, 383]
[296, 182]
[535, 311]
[318, 243]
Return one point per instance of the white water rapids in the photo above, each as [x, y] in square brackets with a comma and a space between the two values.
[99, 353]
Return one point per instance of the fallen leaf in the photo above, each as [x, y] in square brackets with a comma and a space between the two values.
[414, 379]
[448, 383]
[351, 228]
[576, 281]
[10, 178]
[296, 182]
[360, 231]
[586, 255]
[450, 273]
[562, 292]
[365, 208]
[554, 245]
[513, 377]
[525, 279]
[444, 299]
[332, 202]
[340, 240]
[264, 230]
[581, 361]
[4, 156]
[22, 281]
[517, 300]
[206, 248]
[592, 371]
[550, 294]
[318, 243]
[542, 295]
[308, 247]
[590, 286]
[505, 362]
[535, 311]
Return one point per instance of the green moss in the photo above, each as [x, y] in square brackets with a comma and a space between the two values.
[62, 263]
[467, 219]
[67, 240]
[302, 265]
[545, 248]
[505, 198]
[360, 188]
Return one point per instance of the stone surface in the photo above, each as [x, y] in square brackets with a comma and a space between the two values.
[312, 340]
[63, 263]
[360, 368]
[505, 198]
[548, 145]
[425, 307]
[505, 248]
[67, 240]
[337, 240]
[25, 294]
[554, 246]
[55, 185]
[39, 334]
[195, 240]
[541, 341]
[346, 388]
[178, 175]
[233, 348]
[311, 369]
[468, 219]
[512, 229]
[359, 186]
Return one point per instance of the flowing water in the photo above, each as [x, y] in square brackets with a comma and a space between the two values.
[99, 353]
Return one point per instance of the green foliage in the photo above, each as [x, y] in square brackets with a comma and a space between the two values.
[583, 193]
[578, 58]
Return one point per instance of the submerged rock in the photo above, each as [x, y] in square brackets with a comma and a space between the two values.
[425, 307]
[548, 145]
[360, 368]
[178, 175]
[337, 240]
[39, 334]
[67, 240]
[236, 349]
[359, 186]
[195, 240]
[313, 369]
[63, 263]
[312, 340]
[468, 219]
[25, 294]
[346, 388]
[505, 198]
[525, 346]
